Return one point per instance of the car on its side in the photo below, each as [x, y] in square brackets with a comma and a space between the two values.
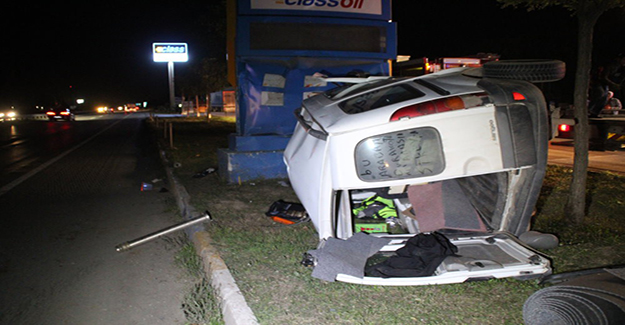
[461, 152]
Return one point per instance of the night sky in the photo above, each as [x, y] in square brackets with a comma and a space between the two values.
[103, 49]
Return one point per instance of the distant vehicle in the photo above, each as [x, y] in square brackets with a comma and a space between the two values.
[8, 115]
[607, 130]
[223, 101]
[131, 108]
[60, 113]
[406, 67]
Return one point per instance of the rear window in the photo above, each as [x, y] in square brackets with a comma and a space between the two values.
[380, 98]
[404, 154]
[350, 89]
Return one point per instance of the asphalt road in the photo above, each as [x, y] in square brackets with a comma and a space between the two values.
[59, 225]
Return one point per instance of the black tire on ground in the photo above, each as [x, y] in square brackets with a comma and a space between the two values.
[527, 70]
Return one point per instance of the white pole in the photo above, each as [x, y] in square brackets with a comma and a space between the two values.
[170, 73]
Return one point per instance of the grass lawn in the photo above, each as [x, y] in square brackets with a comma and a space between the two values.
[264, 257]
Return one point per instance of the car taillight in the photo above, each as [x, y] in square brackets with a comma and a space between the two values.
[65, 113]
[564, 128]
[518, 96]
[50, 113]
[440, 105]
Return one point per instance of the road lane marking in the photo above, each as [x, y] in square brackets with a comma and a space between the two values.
[45, 165]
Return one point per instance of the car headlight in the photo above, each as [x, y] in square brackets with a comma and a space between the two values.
[403, 154]
[11, 114]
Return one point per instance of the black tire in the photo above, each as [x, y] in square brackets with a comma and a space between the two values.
[528, 70]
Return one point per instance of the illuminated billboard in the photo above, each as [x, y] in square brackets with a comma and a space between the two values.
[170, 52]
[373, 7]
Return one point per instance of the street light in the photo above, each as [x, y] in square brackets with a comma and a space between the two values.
[170, 53]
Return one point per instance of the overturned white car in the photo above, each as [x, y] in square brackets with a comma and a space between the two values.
[461, 152]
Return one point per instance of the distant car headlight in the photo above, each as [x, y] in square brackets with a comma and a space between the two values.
[1, 115]
[11, 114]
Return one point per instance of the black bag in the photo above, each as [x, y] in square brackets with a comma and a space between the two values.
[287, 210]
[421, 255]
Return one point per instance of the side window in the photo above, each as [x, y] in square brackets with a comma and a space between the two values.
[379, 98]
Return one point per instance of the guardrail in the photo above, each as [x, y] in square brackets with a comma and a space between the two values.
[27, 117]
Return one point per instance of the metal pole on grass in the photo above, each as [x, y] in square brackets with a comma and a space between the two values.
[141, 240]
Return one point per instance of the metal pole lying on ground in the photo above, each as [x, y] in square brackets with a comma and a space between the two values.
[141, 240]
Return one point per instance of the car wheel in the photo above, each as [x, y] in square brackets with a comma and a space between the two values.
[527, 70]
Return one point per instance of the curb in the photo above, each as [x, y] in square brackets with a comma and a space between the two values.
[234, 308]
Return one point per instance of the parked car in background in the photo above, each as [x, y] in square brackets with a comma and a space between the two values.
[462, 152]
[606, 130]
